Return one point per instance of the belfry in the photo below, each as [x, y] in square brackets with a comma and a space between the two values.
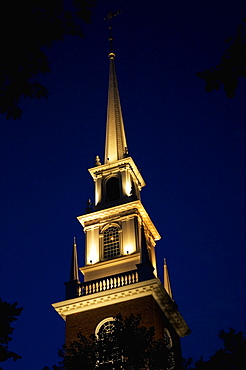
[120, 272]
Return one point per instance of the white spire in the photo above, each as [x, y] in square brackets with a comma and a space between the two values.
[115, 145]
[74, 271]
[167, 284]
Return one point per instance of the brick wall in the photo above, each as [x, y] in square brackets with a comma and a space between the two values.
[87, 321]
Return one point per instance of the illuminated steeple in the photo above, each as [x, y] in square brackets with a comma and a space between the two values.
[120, 271]
[115, 144]
[117, 216]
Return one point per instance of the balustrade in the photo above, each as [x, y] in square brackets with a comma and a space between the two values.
[107, 283]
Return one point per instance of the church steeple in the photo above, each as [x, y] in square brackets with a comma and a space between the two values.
[120, 271]
[119, 231]
[115, 144]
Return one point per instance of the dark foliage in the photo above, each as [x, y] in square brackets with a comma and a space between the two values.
[130, 346]
[27, 28]
[232, 66]
[230, 357]
[8, 314]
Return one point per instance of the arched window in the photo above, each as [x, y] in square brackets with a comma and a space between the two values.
[111, 242]
[108, 350]
[105, 327]
[112, 189]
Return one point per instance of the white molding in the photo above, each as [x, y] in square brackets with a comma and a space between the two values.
[107, 213]
[121, 165]
[117, 295]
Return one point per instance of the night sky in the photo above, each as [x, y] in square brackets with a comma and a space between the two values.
[189, 144]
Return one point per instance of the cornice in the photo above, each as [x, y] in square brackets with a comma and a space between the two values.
[117, 295]
[120, 165]
[97, 216]
[134, 257]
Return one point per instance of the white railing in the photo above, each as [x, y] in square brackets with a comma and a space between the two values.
[107, 283]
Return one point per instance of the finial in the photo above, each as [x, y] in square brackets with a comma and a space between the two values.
[74, 240]
[165, 261]
[89, 207]
[126, 152]
[110, 39]
[111, 54]
[97, 161]
[109, 17]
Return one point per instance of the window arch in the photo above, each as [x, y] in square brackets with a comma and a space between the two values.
[107, 349]
[111, 242]
[105, 326]
[112, 189]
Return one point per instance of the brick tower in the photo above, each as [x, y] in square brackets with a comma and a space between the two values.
[120, 273]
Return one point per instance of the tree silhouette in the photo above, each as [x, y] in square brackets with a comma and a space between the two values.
[8, 314]
[128, 346]
[232, 65]
[230, 357]
[27, 29]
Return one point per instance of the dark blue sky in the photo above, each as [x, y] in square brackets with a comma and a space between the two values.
[189, 144]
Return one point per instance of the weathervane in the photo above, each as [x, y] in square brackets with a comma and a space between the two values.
[108, 18]
[111, 15]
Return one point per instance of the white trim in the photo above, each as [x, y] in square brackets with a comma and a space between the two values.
[126, 293]
[134, 207]
[120, 164]
[101, 323]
